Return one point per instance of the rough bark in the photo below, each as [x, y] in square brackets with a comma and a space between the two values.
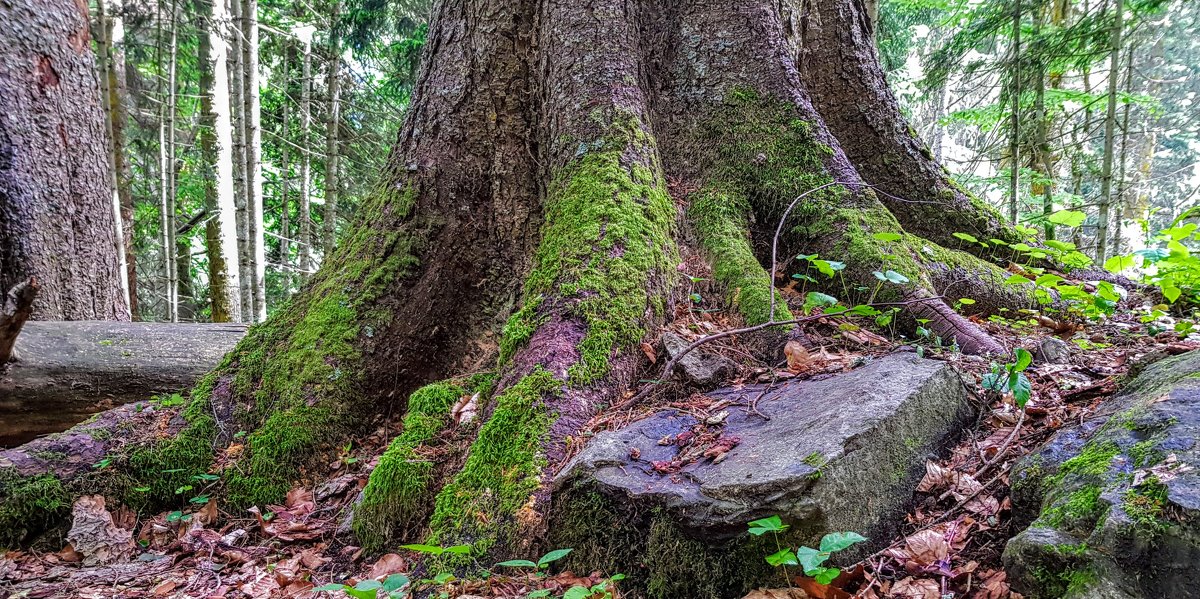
[251, 113]
[65, 372]
[525, 230]
[285, 176]
[332, 122]
[305, 209]
[56, 215]
[1110, 122]
[16, 308]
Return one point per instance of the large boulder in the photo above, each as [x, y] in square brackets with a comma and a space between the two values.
[1112, 506]
[665, 500]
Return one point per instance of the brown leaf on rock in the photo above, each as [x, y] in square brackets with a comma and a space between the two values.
[798, 358]
[650, 353]
[388, 564]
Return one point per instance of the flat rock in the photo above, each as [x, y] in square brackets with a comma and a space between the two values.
[840, 454]
[1112, 507]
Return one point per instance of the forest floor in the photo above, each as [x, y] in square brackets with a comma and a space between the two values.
[953, 536]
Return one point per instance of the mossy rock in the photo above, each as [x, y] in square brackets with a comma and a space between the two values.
[840, 454]
[1124, 486]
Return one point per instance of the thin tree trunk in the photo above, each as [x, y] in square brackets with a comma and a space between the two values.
[216, 142]
[333, 120]
[1042, 154]
[1124, 205]
[1014, 140]
[285, 175]
[171, 109]
[237, 80]
[251, 115]
[1110, 123]
[306, 261]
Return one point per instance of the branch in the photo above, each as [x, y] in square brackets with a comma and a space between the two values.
[17, 308]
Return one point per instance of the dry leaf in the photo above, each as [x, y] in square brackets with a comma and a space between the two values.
[650, 353]
[388, 564]
[94, 535]
[777, 594]
[798, 358]
[913, 588]
[465, 409]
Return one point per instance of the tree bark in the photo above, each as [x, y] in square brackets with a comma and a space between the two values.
[525, 229]
[241, 184]
[112, 73]
[65, 372]
[216, 141]
[1110, 122]
[305, 212]
[285, 174]
[56, 213]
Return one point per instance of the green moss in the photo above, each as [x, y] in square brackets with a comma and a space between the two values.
[394, 495]
[1059, 583]
[1145, 505]
[29, 505]
[606, 249]
[1081, 510]
[502, 471]
[1094, 460]
[721, 222]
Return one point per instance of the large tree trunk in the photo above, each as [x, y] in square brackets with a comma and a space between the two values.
[56, 211]
[526, 230]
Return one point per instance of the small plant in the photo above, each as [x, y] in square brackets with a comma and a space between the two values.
[600, 590]
[541, 564]
[438, 550]
[393, 587]
[812, 561]
[1010, 378]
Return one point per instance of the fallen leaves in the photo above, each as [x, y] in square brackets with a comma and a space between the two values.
[95, 536]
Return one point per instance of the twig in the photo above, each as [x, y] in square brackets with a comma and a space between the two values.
[987, 465]
[779, 231]
[669, 369]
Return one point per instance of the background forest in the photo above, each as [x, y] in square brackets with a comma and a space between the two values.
[1075, 118]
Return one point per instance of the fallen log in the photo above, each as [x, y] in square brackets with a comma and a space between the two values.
[65, 371]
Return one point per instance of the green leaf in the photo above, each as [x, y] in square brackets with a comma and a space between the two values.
[368, 585]
[443, 577]
[1118, 264]
[361, 593]
[815, 298]
[826, 575]
[783, 557]
[395, 582]
[577, 592]
[885, 237]
[517, 563]
[1063, 246]
[1022, 389]
[837, 541]
[966, 301]
[330, 587]
[765, 525]
[553, 556]
[1016, 280]
[459, 549]
[966, 237]
[1172, 293]
[1067, 218]
[811, 559]
[829, 268]
[538, 594]
[891, 276]
[1021, 247]
[1024, 359]
[430, 549]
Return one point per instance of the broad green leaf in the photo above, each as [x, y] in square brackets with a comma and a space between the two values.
[966, 301]
[330, 587]
[431, 549]
[1022, 247]
[966, 237]
[1172, 293]
[815, 298]
[395, 582]
[1067, 218]
[1049, 280]
[826, 575]
[368, 585]
[811, 559]
[1118, 264]
[1016, 280]
[1022, 390]
[765, 525]
[577, 592]
[837, 541]
[783, 557]
[885, 237]
[553, 556]
[517, 563]
[459, 549]
[1060, 245]
[1024, 359]
[828, 268]
[361, 593]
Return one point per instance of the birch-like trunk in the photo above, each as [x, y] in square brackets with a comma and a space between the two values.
[329, 233]
[105, 44]
[285, 175]
[171, 107]
[306, 263]
[252, 118]
[216, 143]
[240, 189]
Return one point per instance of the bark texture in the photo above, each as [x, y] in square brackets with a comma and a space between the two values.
[56, 216]
[65, 372]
